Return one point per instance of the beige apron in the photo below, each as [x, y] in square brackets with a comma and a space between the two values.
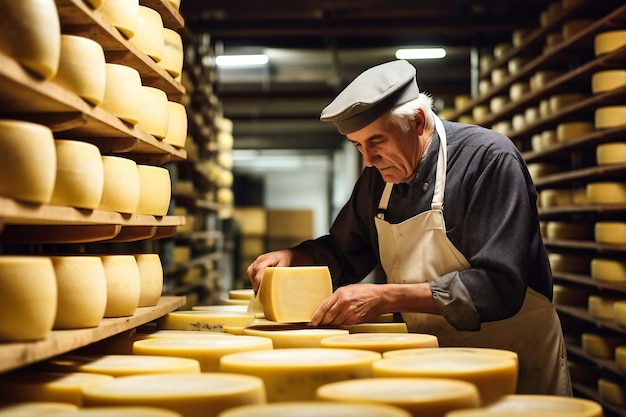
[418, 250]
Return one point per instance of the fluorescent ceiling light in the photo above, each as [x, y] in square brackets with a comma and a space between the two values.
[420, 53]
[241, 60]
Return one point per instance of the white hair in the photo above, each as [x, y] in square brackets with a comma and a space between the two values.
[404, 113]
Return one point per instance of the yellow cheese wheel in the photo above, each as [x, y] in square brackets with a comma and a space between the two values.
[36, 409]
[480, 112]
[610, 116]
[82, 68]
[531, 114]
[202, 395]
[498, 103]
[381, 342]
[559, 102]
[572, 27]
[293, 336]
[518, 122]
[620, 355]
[149, 37]
[601, 307]
[601, 346]
[619, 313]
[606, 192]
[425, 353]
[503, 127]
[556, 197]
[27, 161]
[542, 78]
[208, 321]
[462, 101]
[123, 285]
[610, 41]
[498, 75]
[569, 230]
[570, 263]
[610, 232]
[500, 49]
[65, 387]
[28, 295]
[484, 86]
[154, 116]
[536, 143]
[31, 34]
[122, 14]
[611, 153]
[570, 295]
[122, 93]
[519, 36]
[517, 90]
[122, 186]
[155, 190]
[609, 270]
[516, 64]
[608, 80]
[316, 409]
[572, 130]
[123, 365]
[172, 57]
[292, 294]
[494, 376]
[612, 392]
[128, 411]
[542, 169]
[81, 291]
[79, 177]
[206, 350]
[151, 278]
[433, 397]
[177, 125]
[295, 374]
[376, 327]
[544, 108]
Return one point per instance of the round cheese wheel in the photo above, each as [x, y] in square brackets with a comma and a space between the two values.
[500, 49]
[425, 353]
[123, 285]
[418, 396]
[611, 153]
[559, 102]
[82, 68]
[531, 114]
[609, 41]
[610, 270]
[177, 125]
[606, 192]
[81, 291]
[610, 232]
[293, 336]
[202, 395]
[519, 36]
[122, 93]
[149, 37]
[536, 143]
[122, 186]
[79, 177]
[600, 346]
[376, 327]
[610, 116]
[155, 190]
[569, 295]
[122, 14]
[295, 374]
[498, 103]
[461, 101]
[503, 127]
[608, 80]
[381, 342]
[572, 130]
[208, 321]
[31, 34]
[316, 409]
[123, 365]
[516, 64]
[601, 307]
[555, 197]
[27, 161]
[611, 392]
[28, 295]
[154, 115]
[484, 86]
[35, 409]
[241, 294]
[517, 90]
[129, 411]
[569, 230]
[541, 169]
[498, 75]
[151, 278]
[569, 263]
[619, 315]
[544, 108]
[206, 350]
[172, 58]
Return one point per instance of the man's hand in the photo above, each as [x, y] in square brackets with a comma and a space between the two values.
[352, 304]
[256, 269]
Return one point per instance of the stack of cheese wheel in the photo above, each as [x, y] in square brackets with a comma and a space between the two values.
[31, 34]
[121, 411]
[122, 93]
[122, 14]
[81, 291]
[206, 350]
[611, 153]
[123, 365]
[608, 270]
[154, 116]
[601, 345]
[149, 36]
[123, 285]
[601, 306]
[155, 190]
[607, 42]
[295, 374]
[610, 232]
[208, 321]
[172, 57]
[611, 391]
[381, 342]
[151, 278]
[293, 336]
[36, 408]
[200, 395]
[27, 161]
[79, 177]
[494, 374]
[122, 185]
[433, 397]
[28, 295]
[177, 125]
[82, 68]
[315, 409]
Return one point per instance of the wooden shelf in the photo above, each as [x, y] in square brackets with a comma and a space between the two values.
[16, 355]
[588, 281]
[585, 174]
[584, 245]
[171, 17]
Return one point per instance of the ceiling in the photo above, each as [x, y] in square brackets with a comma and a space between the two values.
[316, 47]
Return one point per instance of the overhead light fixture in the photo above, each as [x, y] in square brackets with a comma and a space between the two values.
[420, 53]
[241, 60]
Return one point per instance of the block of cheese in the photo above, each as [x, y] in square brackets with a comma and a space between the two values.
[172, 57]
[36, 409]
[570, 263]
[419, 396]
[31, 34]
[206, 350]
[28, 295]
[293, 336]
[494, 376]
[611, 153]
[27, 161]
[65, 387]
[123, 285]
[151, 278]
[295, 374]
[381, 342]
[121, 411]
[200, 395]
[619, 312]
[79, 177]
[155, 190]
[608, 80]
[123, 365]
[207, 321]
[425, 353]
[154, 114]
[612, 392]
[122, 185]
[569, 230]
[388, 327]
[609, 41]
[601, 346]
[81, 291]
[559, 102]
[82, 68]
[569, 295]
[610, 232]
[122, 14]
[610, 116]
[122, 93]
[601, 307]
[149, 37]
[572, 130]
[177, 125]
[292, 294]
[610, 270]
[316, 409]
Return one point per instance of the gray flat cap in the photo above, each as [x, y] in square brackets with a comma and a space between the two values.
[371, 94]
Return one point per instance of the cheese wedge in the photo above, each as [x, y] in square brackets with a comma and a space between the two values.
[123, 365]
[611, 153]
[381, 342]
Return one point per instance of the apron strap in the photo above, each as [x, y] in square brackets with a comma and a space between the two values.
[384, 201]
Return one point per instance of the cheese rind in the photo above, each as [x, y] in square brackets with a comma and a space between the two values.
[122, 93]
[155, 190]
[122, 185]
[151, 278]
[123, 285]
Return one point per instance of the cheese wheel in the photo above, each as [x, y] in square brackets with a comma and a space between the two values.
[35, 409]
[517, 90]
[498, 75]
[206, 350]
[293, 336]
[150, 278]
[31, 34]
[123, 365]
[292, 294]
[65, 387]
[130, 411]
[433, 397]
[81, 291]
[611, 153]
[149, 37]
[619, 312]
[601, 346]
[519, 36]
[608, 80]
[122, 14]
[79, 177]
[177, 125]
[610, 232]
[500, 49]
[494, 376]
[569, 295]
[536, 143]
[241, 294]
[172, 57]
[316, 409]
[376, 328]
[609, 270]
[610, 116]
[572, 27]
[544, 108]
[611, 392]
[516, 64]
[560, 102]
[295, 374]
[480, 112]
[518, 122]
[556, 197]
[503, 127]
[202, 395]
[123, 285]
[122, 186]
[610, 41]
[620, 355]
[484, 86]
[572, 130]
[606, 192]
[541, 169]
[462, 101]
[542, 78]
[208, 321]
[569, 230]
[155, 190]
[82, 68]
[154, 116]
[381, 342]
[497, 104]
[28, 295]
[425, 353]
[531, 114]
[27, 161]
[601, 307]
[122, 93]
[570, 263]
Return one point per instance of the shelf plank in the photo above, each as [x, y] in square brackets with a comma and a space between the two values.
[16, 355]
[585, 174]
[585, 245]
[588, 281]
[171, 17]
[59, 233]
